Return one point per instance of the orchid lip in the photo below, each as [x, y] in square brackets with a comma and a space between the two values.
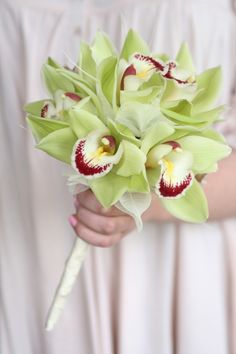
[158, 65]
[172, 191]
[175, 145]
[88, 168]
[166, 70]
[73, 96]
[95, 155]
[130, 70]
[44, 111]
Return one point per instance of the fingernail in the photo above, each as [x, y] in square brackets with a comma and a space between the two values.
[72, 220]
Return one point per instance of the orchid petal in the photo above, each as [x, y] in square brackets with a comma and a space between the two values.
[113, 185]
[55, 81]
[156, 133]
[107, 76]
[156, 154]
[209, 84]
[42, 127]
[102, 47]
[133, 44]
[192, 207]
[132, 161]
[121, 132]
[174, 92]
[87, 63]
[59, 144]
[83, 122]
[206, 152]
[138, 117]
[88, 92]
[143, 96]
[184, 59]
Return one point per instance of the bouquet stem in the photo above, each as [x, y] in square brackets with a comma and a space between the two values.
[71, 270]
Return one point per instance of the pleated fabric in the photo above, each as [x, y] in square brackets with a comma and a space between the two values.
[170, 289]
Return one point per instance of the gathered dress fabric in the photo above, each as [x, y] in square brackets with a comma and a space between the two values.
[170, 289]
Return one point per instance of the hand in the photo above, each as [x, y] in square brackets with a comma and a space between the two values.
[98, 226]
[105, 227]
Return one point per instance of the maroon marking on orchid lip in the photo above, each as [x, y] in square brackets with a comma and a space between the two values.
[170, 190]
[169, 75]
[174, 144]
[44, 111]
[130, 70]
[73, 96]
[83, 166]
[156, 64]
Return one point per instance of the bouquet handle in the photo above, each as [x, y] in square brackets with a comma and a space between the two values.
[71, 270]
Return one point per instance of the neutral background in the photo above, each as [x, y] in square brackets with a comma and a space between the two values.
[170, 289]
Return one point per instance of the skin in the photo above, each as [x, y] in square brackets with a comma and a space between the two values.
[106, 227]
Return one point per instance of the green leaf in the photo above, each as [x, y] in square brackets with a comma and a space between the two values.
[83, 122]
[102, 47]
[132, 161]
[158, 132]
[55, 81]
[41, 127]
[59, 144]
[209, 84]
[184, 59]
[133, 44]
[206, 152]
[192, 207]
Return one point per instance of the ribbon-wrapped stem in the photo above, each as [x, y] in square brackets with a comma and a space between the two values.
[71, 270]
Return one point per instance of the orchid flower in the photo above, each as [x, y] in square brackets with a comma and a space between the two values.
[175, 164]
[141, 68]
[63, 102]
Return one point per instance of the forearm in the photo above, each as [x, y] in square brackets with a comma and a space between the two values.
[220, 189]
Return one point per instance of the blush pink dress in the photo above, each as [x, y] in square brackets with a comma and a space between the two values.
[167, 290]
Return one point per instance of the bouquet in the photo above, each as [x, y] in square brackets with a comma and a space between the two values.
[130, 124]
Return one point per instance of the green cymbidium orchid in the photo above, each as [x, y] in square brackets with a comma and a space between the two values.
[172, 167]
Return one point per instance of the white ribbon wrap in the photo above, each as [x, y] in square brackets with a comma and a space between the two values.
[71, 270]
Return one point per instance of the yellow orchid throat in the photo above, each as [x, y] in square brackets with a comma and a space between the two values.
[169, 167]
[107, 148]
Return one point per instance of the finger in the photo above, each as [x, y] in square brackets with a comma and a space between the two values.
[107, 225]
[95, 238]
[88, 200]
